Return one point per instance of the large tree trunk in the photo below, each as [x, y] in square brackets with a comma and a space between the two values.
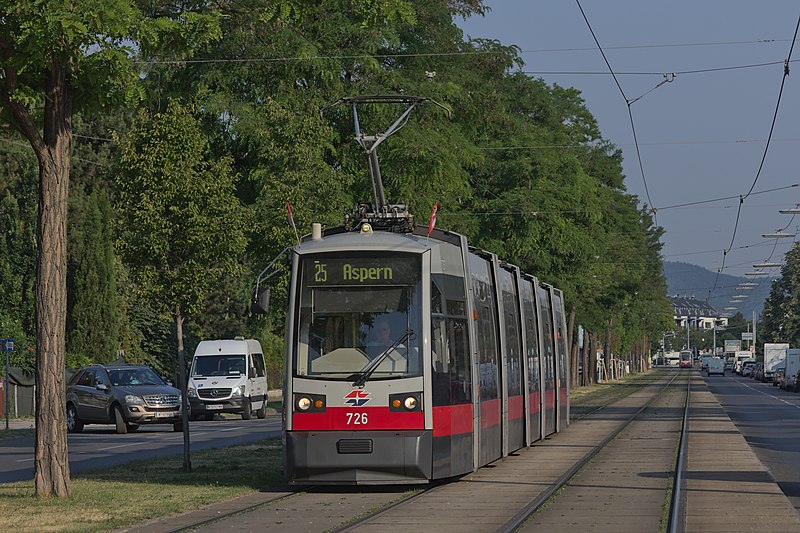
[51, 464]
[592, 375]
[587, 370]
[607, 350]
[572, 337]
[187, 460]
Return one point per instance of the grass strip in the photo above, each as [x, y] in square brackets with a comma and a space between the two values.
[6, 434]
[142, 490]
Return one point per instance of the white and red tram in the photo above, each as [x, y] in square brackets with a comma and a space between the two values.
[474, 365]
[477, 366]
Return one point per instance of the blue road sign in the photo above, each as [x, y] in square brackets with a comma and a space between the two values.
[8, 345]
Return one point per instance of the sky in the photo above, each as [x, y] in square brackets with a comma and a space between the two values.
[702, 135]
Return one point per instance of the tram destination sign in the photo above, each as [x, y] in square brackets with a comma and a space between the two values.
[362, 271]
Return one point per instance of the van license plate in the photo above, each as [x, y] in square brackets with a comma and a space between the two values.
[213, 407]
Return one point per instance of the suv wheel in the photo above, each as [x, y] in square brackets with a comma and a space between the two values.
[122, 427]
[74, 425]
[247, 409]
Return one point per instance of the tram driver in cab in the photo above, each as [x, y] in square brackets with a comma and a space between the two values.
[382, 338]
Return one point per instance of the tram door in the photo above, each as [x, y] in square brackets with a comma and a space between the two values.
[530, 330]
[549, 358]
[513, 364]
[487, 353]
[562, 357]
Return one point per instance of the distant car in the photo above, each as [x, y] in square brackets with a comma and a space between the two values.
[715, 365]
[124, 395]
[729, 364]
[758, 372]
[747, 369]
[780, 375]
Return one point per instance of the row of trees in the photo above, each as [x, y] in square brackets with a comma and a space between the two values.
[780, 321]
[178, 172]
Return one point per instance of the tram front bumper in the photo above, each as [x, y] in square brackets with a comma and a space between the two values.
[358, 457]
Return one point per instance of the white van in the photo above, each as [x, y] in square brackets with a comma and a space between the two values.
[228, 376]
[715, 365]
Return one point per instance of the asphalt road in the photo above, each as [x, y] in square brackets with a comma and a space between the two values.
[769, 419]
[99, 447]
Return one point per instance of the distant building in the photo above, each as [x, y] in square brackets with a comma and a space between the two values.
[700, 315]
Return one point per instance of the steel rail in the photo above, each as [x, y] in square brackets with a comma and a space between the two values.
[518, 519]
[377, 512]
[677, 509]
[235, 512]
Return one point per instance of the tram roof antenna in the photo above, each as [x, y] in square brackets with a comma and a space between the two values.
[370, 143]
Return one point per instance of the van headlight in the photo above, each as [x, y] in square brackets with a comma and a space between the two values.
[191, 393]
[237, 391]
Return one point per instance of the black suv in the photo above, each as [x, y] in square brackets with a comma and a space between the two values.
[121, 394]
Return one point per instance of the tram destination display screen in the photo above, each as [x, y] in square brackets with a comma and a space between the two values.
[361, 271]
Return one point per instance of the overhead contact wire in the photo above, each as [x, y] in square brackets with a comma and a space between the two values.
[628, 102]
[764, 155]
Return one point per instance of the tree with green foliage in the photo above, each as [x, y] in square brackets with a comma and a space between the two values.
[58, 58]
[93, 310]
[780, 321]
[181, 227]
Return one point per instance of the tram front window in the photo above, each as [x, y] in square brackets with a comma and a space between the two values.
[344, 326]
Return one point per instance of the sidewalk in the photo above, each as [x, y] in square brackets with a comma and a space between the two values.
[18, 423]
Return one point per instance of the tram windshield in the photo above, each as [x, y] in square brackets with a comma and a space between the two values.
[354, 309]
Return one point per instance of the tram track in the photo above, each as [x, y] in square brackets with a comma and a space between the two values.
[673, 496]
[223, 516]
[463, 502]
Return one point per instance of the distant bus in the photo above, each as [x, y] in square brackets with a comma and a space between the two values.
[686, 359]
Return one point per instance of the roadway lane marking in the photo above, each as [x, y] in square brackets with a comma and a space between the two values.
[119, 446]
[25, 460]
[769, 395]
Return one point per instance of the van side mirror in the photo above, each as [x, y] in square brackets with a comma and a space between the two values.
[252, 372]
[260, 303]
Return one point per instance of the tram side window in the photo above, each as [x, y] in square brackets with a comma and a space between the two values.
[533, 350]
[452, 383]
[459, 369]
[513, 343]
[487, 363]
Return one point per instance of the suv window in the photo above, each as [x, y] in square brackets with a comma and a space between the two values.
[100, 377]
[87, 379]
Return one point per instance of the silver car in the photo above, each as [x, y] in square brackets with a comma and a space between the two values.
[124, 395]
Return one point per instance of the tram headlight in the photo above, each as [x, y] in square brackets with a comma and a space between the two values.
[304, 404]
[406, 401]
[309, 403]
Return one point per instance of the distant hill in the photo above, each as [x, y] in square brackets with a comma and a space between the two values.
[684, 279]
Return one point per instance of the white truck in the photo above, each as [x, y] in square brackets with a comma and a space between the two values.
[740, 357]
[774, 357]
[792, 366]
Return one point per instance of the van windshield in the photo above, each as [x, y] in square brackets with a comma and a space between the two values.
[218, 365]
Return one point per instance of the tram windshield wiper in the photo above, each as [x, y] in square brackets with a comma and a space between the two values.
[369, 369]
